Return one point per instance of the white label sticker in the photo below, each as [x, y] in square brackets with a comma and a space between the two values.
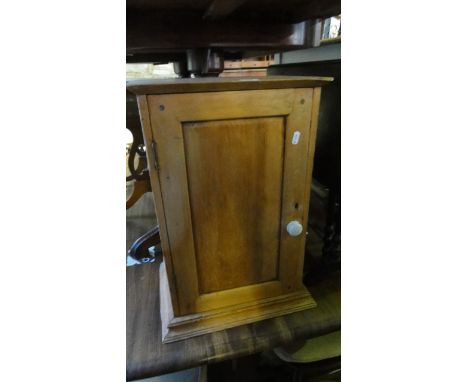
[296, 136]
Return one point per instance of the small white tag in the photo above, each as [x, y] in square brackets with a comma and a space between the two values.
[296, 136]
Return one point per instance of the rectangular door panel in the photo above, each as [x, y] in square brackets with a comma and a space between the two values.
[234, 172]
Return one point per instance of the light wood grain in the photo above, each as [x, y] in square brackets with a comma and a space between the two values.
[182, 328]
[248, 153]
[232, 169]
[177, 108]
[295, 175]
[157, 195]
[169, 115]
[167, 133]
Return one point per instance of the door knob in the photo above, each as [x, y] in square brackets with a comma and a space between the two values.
[294, 228]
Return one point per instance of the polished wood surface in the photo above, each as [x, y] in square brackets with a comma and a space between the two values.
[259, 8]
[219, 84]
[161, 31]
[147, 356]
[219, 9]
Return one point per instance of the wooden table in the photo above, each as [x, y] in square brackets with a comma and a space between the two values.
[147, 356]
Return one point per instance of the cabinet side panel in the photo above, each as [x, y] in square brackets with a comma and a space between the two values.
[310, 163]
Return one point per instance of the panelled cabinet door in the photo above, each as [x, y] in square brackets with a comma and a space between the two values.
[233, 173]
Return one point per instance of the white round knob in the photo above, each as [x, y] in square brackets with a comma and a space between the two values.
[294, 228]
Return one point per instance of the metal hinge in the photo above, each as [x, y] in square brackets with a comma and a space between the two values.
[155, 155]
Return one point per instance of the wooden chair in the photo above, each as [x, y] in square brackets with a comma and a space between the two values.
[314, 358]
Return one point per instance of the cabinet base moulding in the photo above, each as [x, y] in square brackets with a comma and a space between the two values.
[184, 327]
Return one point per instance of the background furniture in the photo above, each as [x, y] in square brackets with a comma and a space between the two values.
[198, 35]
[137, 168]
[316, 356]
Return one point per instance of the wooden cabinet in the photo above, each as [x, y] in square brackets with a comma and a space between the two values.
[230, 166]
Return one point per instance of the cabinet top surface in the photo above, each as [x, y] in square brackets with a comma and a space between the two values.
[207, 84]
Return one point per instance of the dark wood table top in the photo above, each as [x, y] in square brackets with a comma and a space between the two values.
[147, 356]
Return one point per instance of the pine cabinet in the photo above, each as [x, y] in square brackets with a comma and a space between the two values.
[230, 164]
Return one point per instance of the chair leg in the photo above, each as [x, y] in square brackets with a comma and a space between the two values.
[140, 187]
